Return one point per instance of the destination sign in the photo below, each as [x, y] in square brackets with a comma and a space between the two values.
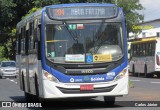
[82, 12]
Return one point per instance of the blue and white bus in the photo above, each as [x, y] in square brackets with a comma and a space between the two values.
[73, 50]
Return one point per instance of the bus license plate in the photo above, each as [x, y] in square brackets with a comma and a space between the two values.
[86, 87]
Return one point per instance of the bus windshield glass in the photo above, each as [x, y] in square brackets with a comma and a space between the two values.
[83, 42]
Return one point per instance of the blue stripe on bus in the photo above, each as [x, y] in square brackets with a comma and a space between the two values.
[81, 78]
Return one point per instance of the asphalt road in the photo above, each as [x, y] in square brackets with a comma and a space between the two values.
[143, 89]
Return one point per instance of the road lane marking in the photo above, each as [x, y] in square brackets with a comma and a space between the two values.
[11, 80]
[155, 82]
[135, 80]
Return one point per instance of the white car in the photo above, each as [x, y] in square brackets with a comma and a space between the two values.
[7, 69]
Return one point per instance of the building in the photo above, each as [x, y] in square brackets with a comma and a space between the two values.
[149, 29]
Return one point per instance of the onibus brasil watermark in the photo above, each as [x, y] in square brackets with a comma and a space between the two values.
[21, 105]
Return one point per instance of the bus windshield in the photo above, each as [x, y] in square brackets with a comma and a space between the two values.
[83, 42]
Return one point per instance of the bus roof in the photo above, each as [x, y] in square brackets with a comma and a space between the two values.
[80, 4]
[144, 40]
[37, 13]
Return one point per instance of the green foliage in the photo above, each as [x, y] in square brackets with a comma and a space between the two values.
[34, 9]
[131, 84]
[130, 8]
[7, 15]
[42, 3]
[12, 33]
[6, 12]
[2, 54]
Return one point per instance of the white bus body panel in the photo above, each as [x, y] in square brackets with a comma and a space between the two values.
[139, 64]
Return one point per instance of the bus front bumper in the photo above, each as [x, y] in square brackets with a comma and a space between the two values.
[53, 90]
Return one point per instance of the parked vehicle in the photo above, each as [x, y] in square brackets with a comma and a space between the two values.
[145, 57]
[7, 69]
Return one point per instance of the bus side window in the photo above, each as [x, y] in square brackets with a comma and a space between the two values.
[133, 50]
[26, 42]
[37, 42]
[35, 38]
[147, 49]
[137, 50]
[150, 49]
[153, 48]
[18, 42]
[30, 38]
[141, 51]
[23, 34]
[144, 49]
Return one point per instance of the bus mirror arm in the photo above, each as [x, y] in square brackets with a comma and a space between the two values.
[38, 32]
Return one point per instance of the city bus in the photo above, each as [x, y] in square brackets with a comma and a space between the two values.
[145, 57]
[73, 50]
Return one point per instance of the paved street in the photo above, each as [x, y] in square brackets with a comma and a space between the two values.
[144, 89]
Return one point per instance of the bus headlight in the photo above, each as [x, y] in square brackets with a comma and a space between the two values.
[121, 74]
[50, 77]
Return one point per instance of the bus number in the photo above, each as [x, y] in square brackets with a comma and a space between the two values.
[59, 12]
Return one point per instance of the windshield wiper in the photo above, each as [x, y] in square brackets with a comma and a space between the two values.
[97, 34]
[75, 38]
[99, 29]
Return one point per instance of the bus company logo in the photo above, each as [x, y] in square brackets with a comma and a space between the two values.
[97, 79]
[111, 74]
[72, 80]
[78, 80]
[87, 71]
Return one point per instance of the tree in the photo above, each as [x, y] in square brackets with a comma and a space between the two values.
[34, 9]
[42, 3]
[131, 8]
[6, 17]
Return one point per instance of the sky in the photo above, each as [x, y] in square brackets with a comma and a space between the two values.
[152, 9]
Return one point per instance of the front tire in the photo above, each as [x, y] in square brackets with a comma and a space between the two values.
[109, 100]
[145, 71]
[28, 97]
[147, 75]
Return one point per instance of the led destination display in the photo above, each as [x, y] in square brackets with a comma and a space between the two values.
[82, 13]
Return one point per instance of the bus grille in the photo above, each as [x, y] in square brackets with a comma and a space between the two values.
[78, 91]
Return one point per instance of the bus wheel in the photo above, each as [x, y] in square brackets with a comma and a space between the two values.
[109, 100]
[145, 71]
[133, 71]
[23, 85]
[36, 88]
[28, 97]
